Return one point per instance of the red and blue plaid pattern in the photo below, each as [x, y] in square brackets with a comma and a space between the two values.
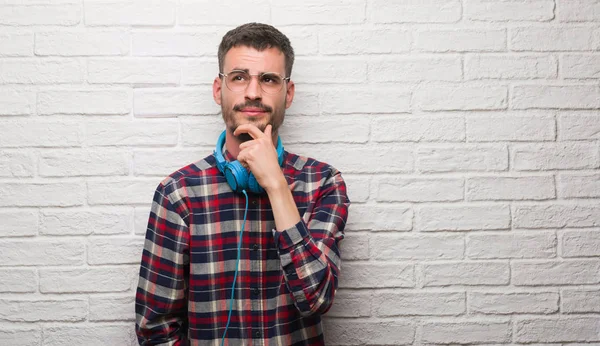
[286, 279]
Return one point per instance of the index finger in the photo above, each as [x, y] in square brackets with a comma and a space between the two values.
[250, 129]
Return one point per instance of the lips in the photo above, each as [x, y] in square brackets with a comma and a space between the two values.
[253, 111]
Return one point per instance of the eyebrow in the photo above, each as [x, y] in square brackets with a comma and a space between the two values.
[247, 70]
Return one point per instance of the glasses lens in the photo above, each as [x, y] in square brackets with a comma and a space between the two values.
[271, 82]
[237, 80]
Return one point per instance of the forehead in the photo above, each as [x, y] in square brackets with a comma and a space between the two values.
[248, 58]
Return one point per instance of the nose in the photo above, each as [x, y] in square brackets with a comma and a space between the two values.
[253, 91]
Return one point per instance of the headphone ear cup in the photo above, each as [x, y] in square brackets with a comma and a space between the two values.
[236, 175]
[253, 185]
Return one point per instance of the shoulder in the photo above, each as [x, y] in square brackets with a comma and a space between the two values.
[309, 168]
[190, 174]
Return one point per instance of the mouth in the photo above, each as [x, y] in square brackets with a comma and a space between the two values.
[252, 111]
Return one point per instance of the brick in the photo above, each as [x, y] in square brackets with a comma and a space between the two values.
[180, 43]
[129, 12]
[164, 162]
[331, 129]
[583, 243]
[578, 185]
[305, 40]
[228, 13]
[418, 304]
[451, 97]
[131, 133]
[373, 159]
[111, 308]
[199, 71]
[117, 192]
[416, 247]
[415, 69]
[510, 66]
[463, 218]
[17, 102]
[570, 272]
[556, 215]
[18, 281]
[578, 10]
[460, 40]
[202, 131]
[536, 10]
[137, 71]
[507, 303]
[377, 275]
[555, 97]
[41, 71]
[89, 334]
[16, 44]
[85, 222]
[82, 43]
[22, 336]
[580, 300]
[14, 164]
[351, 304]
[510, 126]
[114, 250]
[446, 128]
[306, 102]
[512, 245]
[41, 252]
[462, 158]
[579, 125]
[83, 163]
[467, 332]
[419, 190]
[557, 329]
[580, 66]
[377, 217]
[465, 273]
[510, 188]
[358, 187]
[39, 133]
[27, 194]
[29, 310]
[173, 101]
[414, 11]
[19, 223]
[356, 332]
[547, 156]
[92, 280]
[88, 102]
[355, 245]
[288, 12]
[334, 70]
[550, 39]
[382, 100]
[63, 13]
[363, 40]
[140, 219]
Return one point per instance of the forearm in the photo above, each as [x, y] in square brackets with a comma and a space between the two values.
[285, 211]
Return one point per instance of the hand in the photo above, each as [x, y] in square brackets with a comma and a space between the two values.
[260, 156]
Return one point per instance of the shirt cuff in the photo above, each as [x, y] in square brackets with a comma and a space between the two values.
[291, 236]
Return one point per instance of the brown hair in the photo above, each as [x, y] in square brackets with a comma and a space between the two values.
[260, 37]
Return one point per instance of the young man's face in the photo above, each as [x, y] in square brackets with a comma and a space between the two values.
[253, 105]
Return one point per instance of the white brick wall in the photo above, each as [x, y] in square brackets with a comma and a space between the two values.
[468, 132]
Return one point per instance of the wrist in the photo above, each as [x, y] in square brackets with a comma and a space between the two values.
[277, 185]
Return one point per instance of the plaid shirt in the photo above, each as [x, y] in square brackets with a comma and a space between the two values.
[286, 279]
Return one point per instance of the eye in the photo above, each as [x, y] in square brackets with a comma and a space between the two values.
[270, 79]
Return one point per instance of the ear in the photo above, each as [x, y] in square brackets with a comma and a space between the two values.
[289, 95]
[217, 84]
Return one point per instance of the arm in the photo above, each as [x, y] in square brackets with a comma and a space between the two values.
[309, 252]
[161, 298]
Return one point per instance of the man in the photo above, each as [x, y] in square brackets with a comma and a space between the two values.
[242, 246]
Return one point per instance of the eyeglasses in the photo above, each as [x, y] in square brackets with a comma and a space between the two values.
[238, 80]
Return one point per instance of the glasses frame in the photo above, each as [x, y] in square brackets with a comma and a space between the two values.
[257, 75]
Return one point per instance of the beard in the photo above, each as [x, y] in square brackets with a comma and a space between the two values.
[274, 117]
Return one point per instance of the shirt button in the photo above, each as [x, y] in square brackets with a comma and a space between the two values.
[255, 247]
[253, 202]
[255, 291]
[257, 334]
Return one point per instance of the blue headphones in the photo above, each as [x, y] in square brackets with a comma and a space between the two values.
[238, 178]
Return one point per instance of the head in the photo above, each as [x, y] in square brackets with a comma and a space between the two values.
[255, 48]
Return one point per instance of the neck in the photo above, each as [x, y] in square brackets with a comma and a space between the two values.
[232, 143]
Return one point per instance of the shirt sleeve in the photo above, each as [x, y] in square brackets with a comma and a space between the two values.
[161, 297]
[309, 252]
